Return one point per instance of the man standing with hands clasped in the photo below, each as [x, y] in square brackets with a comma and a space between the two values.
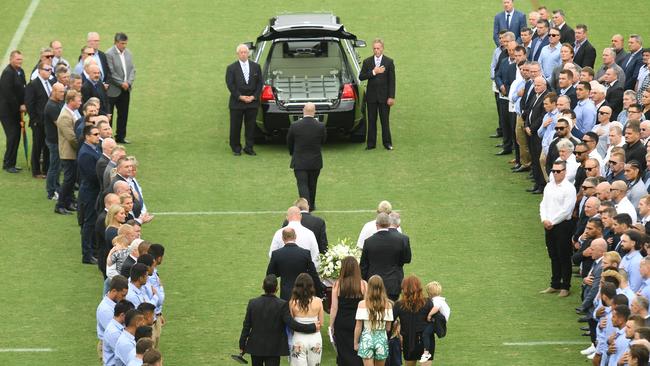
[244, 81]
[379, 70]
[304, 140]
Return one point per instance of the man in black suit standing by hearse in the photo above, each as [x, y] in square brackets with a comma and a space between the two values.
[244, 81]
[379, 70]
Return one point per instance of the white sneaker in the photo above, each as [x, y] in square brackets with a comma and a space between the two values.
[588, 351]
[591, 356]
[425, 357]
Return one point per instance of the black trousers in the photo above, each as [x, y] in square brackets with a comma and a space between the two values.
[121, 103]
[11, 126]
[69, 168]
[307, 181]
[535, 146]
[39, 150]
[558, 245]
[384, 112]
[88, 217]
[265, 360]
[236, 117]
[505, 124]
[496, 100]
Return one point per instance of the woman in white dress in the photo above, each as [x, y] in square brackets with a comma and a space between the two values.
[306, 349]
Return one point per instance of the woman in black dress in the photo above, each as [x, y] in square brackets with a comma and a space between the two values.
[412, 309]
[347, 291]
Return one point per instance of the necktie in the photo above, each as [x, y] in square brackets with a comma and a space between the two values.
[508, 19]
[48, 88]
[245, 69]
[137, 191]
[136, 195]
[377, 62]
[629, 59]
[577, 47]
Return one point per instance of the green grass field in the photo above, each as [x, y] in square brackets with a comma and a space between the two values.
[471, 225]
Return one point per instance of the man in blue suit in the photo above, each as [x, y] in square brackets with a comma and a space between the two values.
[540, 41]
[88, 191]
[510, 19]
[633, 62]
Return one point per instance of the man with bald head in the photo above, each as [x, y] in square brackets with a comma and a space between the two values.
[305, 238]
[305, 139]
[291, 260]
[92, 41]
[244, 81]
[591, 283]
[621, 202]
[534, 114]
[93, 87]
[618, 45]
[50, 115]
[602, 191]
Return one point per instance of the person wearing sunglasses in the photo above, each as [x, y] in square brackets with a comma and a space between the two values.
[549, 57]
[45, 58]
[616, 167]
[88, 189]
[37, 93]
[555, 211]
[86, 52]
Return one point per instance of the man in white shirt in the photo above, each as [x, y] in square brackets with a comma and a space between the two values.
[371, 226]
[555, 212]
[305, 238]
[622, 203]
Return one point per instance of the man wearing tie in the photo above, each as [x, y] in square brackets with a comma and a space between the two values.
[120, 83]
[37, 93]
[510, 19]
[244, 81]
[379, 70]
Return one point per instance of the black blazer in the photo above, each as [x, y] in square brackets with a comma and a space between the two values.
[632, 69]
[317, 226]
[88, 91]
[614, 98]
[571, 93]
[237, 84]
[35, 100]
[384, 254]
[126, 266]
[567, 34]
[636, 151]
[381, 86]
[287, 263]
[586, 55]
[304, 140]
[506, 74]
[105, 68]
[537, 113]
[87, 162]
[102, 162]
[263, 332]
[12, 92]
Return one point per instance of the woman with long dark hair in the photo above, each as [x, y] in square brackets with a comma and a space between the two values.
[347, 291]
[412, 310]
[306, 308]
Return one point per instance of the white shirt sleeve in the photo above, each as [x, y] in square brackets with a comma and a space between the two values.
[277, 242]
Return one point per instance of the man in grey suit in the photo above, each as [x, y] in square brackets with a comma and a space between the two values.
[122, 75]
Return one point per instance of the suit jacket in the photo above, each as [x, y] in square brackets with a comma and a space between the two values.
[88, 90]
[102, 162]
[264, 328]
[591, 291]
[523, 102]
[517, 21]
[567, 34]
[304, 140]
[571, 93]
[12, 92]
[107, 72]
[586, 55]
[126, 266]
[534, 55]
[621, 55]
[68, 143]
[117, 76]
[317, 226]
[506, 74]
[631, 66]
[381, 86]
[537, 113]
[384, 254]
[35, 100]
[614, 98]
[237, 84]
[87, 162]
[287, 263]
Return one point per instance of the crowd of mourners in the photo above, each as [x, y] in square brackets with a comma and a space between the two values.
[377, 317]
[582, 134]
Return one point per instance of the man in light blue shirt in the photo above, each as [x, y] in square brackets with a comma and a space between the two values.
[138, 279]
[549, 57]
[118, 288]
[125, 345]
[113, 331]
[632, 242]
[644, 268]
[158, 253]
[621, 343]
[547, 131]
[607, 293]
[585, 111]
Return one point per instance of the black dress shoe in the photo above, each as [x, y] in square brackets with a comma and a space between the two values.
[496, 136]
[498, 145]
[71, 207]
[537, 191]
[584, 328]
[586, 334]
[236, 153]
[92, 260]
[62, 211]
[517, 166]
[504, 152]
[250, 152]
[579, 311]
[12, 170]
[18, 168]
[388, 147]
[370, 147]
[521, 169]
[123, 141]
[533, 189]
[583, 319]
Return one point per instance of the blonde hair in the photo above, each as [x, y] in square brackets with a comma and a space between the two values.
[434, 288]
[385, 207]
[615, 274]
[124, 196]
[110, 215]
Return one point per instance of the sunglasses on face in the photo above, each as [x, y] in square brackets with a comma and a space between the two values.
[48, 56]
[554, 35]
[557, 171]
[559, 128]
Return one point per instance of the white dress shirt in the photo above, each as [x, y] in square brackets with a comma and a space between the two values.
[367, 231]
[558, 201]
[625, 206]
[305, 239]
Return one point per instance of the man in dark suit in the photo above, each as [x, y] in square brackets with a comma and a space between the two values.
[37, 93]
[509, 19]
[503, 78]
[565, 87]
[379, 70]
[567, 35]
[304, 140]
[384, 254]
[93, 87]
[107, 147]
[92, 41]
[263, 334]
[88, 191]
[311, 222]
[12, 104]
[541, 40]
[244, 81]
[290, 261]
[614, 93]
[584, 52]
[633, 62]
[534, 113]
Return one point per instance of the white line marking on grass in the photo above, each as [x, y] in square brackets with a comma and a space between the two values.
[543, 343]
[232, 213]
[22, 27]
[26, 350]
